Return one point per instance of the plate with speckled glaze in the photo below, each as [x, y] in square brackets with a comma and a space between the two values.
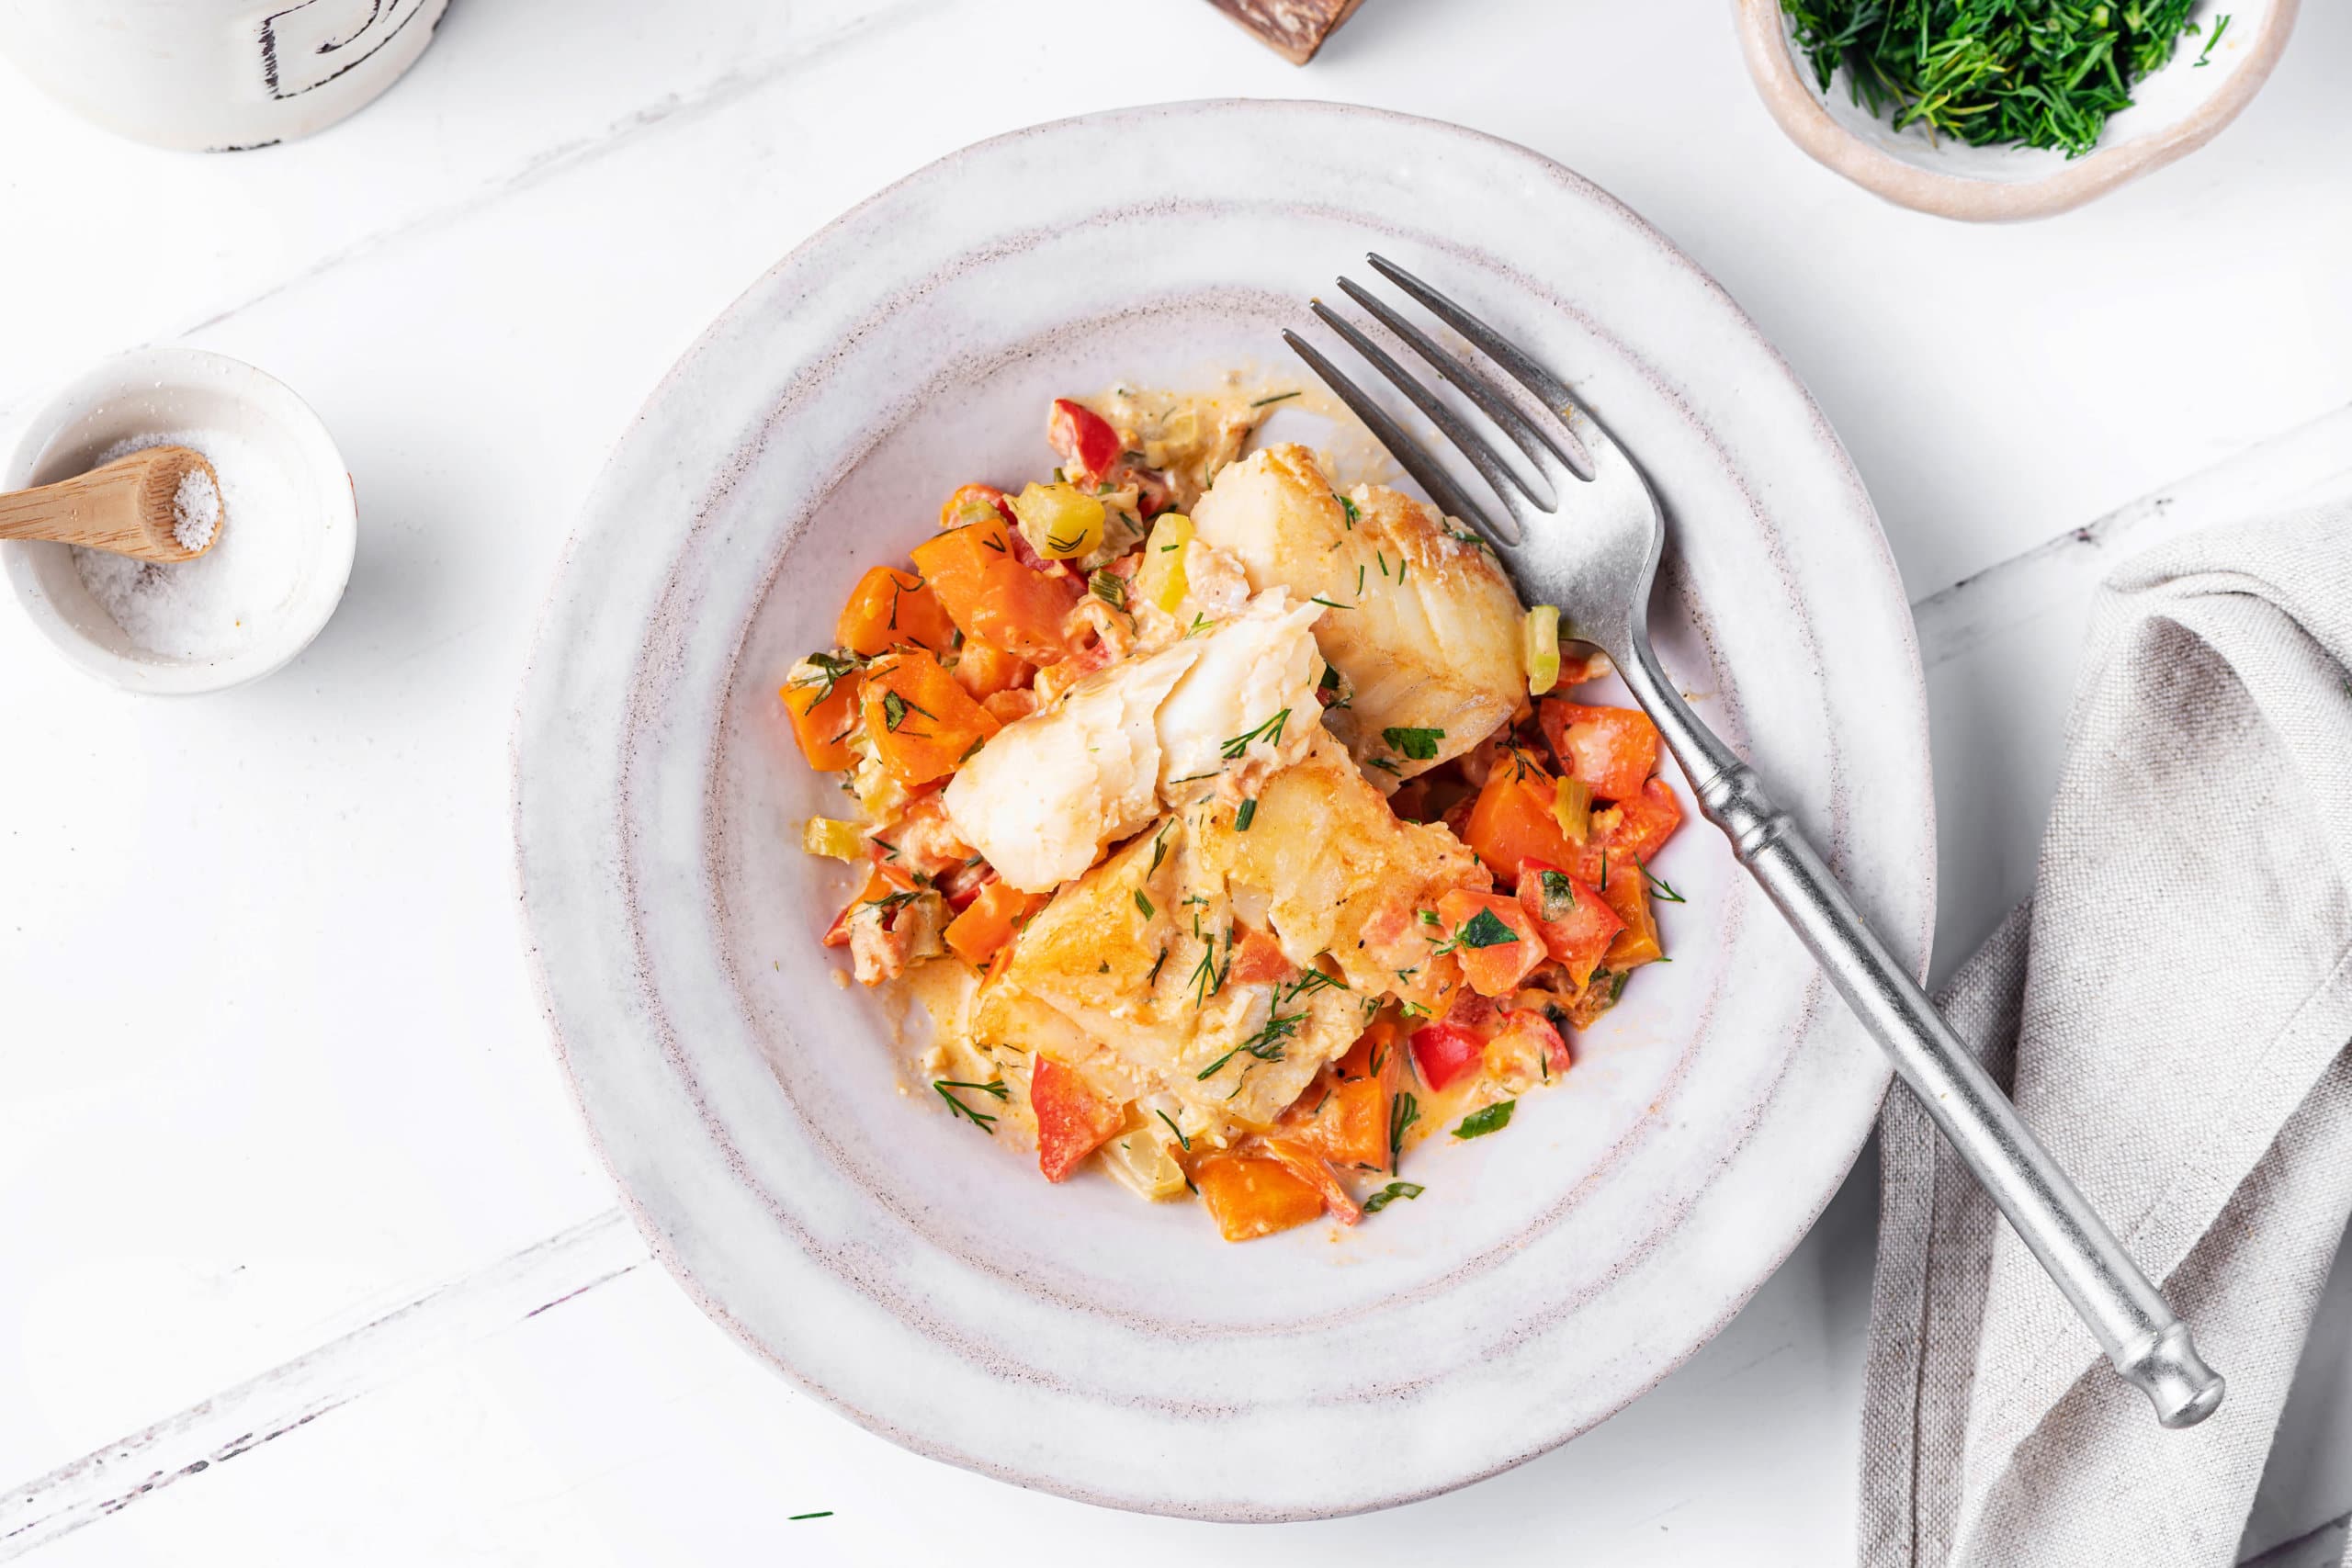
[761, 1116]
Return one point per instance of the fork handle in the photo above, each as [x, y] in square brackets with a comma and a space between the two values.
[2146, 1342]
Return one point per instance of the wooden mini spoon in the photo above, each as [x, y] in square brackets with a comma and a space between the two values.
[127, 507]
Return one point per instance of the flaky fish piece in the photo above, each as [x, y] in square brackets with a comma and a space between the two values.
[1429, 639]
[1129, 975]
[1334, 871]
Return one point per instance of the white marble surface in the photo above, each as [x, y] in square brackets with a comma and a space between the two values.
[305, 1258]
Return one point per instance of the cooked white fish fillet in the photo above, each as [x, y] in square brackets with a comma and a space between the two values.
[1430, 640]
[1126, 977]
[1338, 872]
[1048, 791]
[1045, 795]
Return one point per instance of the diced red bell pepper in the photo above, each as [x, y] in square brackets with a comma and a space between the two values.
[1084, 440]
[1576, 922]
[1494, 937]
[1072, 1120]
[1446, 1051]
[1612, 750]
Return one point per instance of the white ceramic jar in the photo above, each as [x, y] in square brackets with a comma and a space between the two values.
[216, 75]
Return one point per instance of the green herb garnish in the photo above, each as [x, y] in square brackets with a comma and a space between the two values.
[1390, 1193]
[1403, 1112]
[1278, 397]
[1420, 745]
[1989, 71]
[984, 1120]
[1247, 814]
[1270, 732]
[1107, 586]
[1493, 1119]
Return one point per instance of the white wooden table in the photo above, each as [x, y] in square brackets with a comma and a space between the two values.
[303, 1256]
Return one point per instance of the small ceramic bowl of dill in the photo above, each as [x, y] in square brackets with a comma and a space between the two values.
[1994, 110]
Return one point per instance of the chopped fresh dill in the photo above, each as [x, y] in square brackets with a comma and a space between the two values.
[1660, 887]
[1144, 904]
[985, 1121]
[1107, 586]
[1988, 72]
[1278, 397]
[1403, 1112]
[1183, 1140]
[1270, 732]
[1247, 814]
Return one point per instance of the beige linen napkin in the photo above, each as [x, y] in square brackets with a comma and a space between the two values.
[2172, 1011]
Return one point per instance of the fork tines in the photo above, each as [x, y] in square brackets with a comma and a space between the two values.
[1556, 462]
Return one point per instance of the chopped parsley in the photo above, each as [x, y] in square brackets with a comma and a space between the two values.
[1390, 1193]
[1420, 745]
[1485, 929]
[1493, 1119]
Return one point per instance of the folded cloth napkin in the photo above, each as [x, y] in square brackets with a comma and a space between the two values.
[2172, 1013]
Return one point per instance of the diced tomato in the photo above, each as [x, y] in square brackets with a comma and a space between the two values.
[985, 590]
[1612, 750]
[1316, 1171]
[1256, 958]
[1540, 1036]
[1513, 821]
[984, 671]
[919, 722]
[892, 609]
[1084, 440]
[1445, 1051]
[973, 504]
[1578, 924]
[822, 719]
[1255, 1195]
[1494, 937]
[1630, 896]
[1637, 827]
[988, 922]
[1072, 1120]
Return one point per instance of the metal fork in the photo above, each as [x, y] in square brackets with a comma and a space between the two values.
[1600, 574]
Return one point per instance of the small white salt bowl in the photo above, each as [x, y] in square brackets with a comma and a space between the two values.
[152, 391]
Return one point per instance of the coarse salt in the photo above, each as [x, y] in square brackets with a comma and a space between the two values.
[196, 510]
[214, 606]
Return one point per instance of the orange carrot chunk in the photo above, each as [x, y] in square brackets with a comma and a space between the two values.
[1255, 1195]
[994, 598]
[891, 609]
[919, 722]
[988, 922]
[823, 713]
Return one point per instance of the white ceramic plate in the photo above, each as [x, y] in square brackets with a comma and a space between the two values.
[759, 1115]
